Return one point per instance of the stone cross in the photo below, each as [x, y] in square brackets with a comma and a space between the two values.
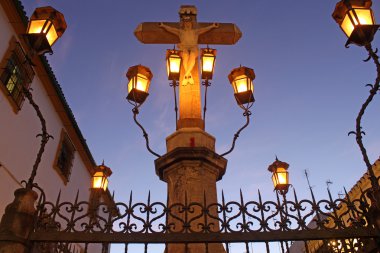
[188, 34]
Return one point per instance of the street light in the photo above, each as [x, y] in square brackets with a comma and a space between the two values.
[100, 177]
[208, 62]
[280, 176]
[356, 19]
[46, 25]
[207, 66]
[241, 80]
[173, 64]
[139, 81]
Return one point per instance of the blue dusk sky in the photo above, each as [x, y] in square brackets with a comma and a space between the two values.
[308, 91]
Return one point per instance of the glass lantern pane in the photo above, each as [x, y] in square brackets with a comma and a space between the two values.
[105, 184]
[36, 27]
[347, 25]
[274, 179]
[167, 66]
[97, 180]
[242, 84]
[130, 85]
[175, 64]
[364, 15]
[208, 63]
[52, 35]
[282, 175]
[141, 84]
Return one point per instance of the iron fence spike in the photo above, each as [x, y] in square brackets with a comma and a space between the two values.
[345, 190]
[76, 197]
[58, 197]
[241, 197]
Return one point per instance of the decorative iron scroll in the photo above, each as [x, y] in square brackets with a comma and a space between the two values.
[189, 217]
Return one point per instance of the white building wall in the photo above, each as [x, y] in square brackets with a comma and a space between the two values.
[19, 145]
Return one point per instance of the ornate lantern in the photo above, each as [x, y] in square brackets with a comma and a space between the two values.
[100, 177]
[356, 19]
[280, 175]
[173, 64]
[241, 80]
[139, 80]
[208, 62]
[45, 26]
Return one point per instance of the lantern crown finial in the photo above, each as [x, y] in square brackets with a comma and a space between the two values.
[343, 6]
[278, 164]
[49, 13]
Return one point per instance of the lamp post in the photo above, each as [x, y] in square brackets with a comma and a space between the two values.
[99, 184]
[280, 179]
[45, 27]
[241, 79]
[173, 67]
[356, 19]
[208, 56]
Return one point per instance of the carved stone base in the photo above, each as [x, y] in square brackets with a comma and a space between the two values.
[17, 222]
[191, 175]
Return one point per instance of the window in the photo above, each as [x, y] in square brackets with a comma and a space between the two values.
[16, 73]
[64, 158]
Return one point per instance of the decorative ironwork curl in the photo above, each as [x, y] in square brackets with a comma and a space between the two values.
[135, 111]
[247, 113]
[192, 217]
[372, 54]
[45, 136]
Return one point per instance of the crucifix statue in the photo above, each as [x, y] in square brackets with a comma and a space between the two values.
[188, 37]
[188, 34]
[190, 167]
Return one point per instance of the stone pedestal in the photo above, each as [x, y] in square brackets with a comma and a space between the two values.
[191, 169]
[17, 222]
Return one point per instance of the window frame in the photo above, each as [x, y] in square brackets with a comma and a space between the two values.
[66, 143]
[16, 70]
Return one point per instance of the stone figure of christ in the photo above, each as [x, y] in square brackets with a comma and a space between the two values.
[188, 37]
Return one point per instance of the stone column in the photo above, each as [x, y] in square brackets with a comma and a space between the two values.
[17, 222]
[191, 169]
[190, 111]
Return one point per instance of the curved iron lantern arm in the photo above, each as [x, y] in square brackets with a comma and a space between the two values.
[358, 132]
[175, 84]
[207, 84]
[247, 113]
[45, 136]
[135, 111]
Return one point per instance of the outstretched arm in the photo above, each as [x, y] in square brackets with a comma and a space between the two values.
[207, 28]
[170, 29]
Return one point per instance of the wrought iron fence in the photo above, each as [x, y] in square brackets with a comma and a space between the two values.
[330, 220]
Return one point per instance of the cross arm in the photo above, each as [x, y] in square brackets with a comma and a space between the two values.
[152, 33]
